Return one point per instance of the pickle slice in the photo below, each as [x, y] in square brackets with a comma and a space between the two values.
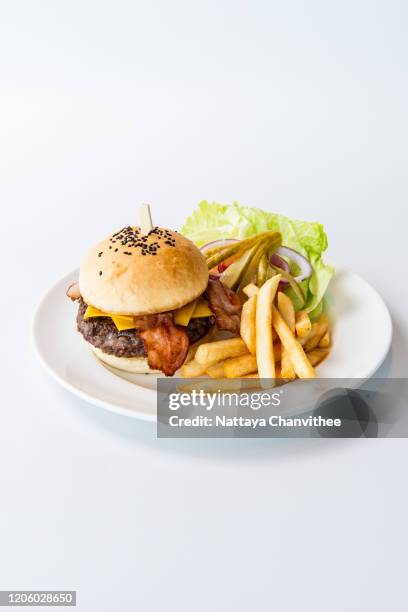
[262, 272]
[217, 255]
[295, 286]
[232, 275]
[251, 272]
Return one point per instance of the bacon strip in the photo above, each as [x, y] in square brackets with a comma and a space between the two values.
[166, 344]
[225, 305]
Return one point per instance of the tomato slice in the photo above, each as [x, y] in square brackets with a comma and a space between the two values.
[224, 264]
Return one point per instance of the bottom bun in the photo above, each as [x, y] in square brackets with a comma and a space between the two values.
[135, 365]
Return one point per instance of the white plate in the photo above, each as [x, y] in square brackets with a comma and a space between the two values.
[354, 307]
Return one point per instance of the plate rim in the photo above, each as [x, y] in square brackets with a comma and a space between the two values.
[116, 408]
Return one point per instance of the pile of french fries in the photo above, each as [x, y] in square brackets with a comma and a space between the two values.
[275, 342]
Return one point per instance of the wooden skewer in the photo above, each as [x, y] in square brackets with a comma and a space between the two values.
[145, 219]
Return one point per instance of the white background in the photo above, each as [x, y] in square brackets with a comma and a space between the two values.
[296, 107]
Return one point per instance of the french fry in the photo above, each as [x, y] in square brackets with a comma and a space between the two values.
[319, 328]
[277, 350]
[317, 355]
[248, 324]
[216, 370]
[299, 360]
[256, 375]
[303, 324]
[190, 354]
[325, 340]
[250, 290]
[264, 340]
[211, 352]
[192, 369]
[287, 370]
[287, 311]
[240, 366]
[193, 348]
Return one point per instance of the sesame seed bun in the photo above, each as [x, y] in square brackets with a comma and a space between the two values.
[129, 273]
[134, 365]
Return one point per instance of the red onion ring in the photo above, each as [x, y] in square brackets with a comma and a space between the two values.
[280, 263]
[277, 260]
[304, 264]
[215, 243]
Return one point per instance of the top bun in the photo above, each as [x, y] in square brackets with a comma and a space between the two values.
[136, 274]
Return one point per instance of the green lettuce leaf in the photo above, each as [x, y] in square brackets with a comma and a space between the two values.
[212, 221]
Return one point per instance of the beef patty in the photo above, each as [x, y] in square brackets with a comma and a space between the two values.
[102, 333]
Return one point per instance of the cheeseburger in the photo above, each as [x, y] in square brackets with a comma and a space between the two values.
[145, 298]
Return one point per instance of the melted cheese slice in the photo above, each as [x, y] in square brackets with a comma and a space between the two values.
[194, 310]
[202, 309]
[182, 316]
[121, 322]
